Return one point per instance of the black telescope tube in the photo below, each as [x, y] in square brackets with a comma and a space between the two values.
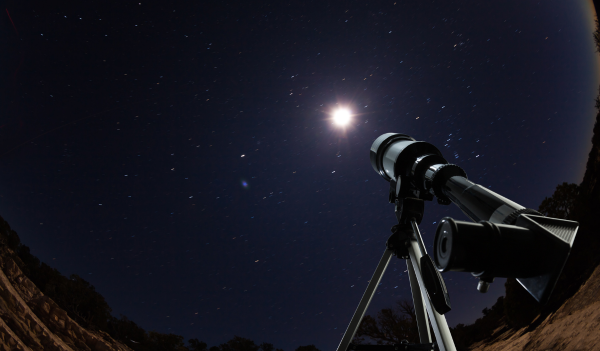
[419, 167]
[477, 202]
[498, 250]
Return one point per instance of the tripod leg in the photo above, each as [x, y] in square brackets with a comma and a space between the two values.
[365, 301]
[419, 302]
[438, 321]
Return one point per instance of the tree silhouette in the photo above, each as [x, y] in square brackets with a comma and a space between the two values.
[75, 295]
[239, 344]
[466, 335]
[308, 348]
[391, 326]
[597, 37]
[197, 345]
[562, 203]
[127, 332]
[265, 346]
[164, 342]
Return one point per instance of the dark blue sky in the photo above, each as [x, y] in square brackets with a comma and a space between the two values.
[123, 127]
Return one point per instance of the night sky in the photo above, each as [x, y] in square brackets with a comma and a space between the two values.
[181, 157]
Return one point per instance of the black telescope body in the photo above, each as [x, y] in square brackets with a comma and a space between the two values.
[506, 240]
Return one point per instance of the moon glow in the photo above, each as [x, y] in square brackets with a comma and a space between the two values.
[341, 117]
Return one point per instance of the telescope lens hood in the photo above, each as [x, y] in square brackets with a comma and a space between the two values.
[378, 149]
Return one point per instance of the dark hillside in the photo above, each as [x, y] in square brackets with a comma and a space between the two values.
[41, 309]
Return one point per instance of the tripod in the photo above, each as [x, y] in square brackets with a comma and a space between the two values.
[430, 297]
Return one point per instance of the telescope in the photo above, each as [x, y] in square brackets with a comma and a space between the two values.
[504, 238]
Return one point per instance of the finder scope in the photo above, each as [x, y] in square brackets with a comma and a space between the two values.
[506, 240]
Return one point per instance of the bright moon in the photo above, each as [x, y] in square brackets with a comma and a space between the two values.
[341, 117]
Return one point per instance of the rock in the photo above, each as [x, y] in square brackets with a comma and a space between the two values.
[574, 326]
[31, 321]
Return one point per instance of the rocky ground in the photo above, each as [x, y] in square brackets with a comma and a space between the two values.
[574, 326]
[29, 320]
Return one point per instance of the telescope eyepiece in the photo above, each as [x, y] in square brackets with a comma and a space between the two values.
[483, 247]
[443, 244]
